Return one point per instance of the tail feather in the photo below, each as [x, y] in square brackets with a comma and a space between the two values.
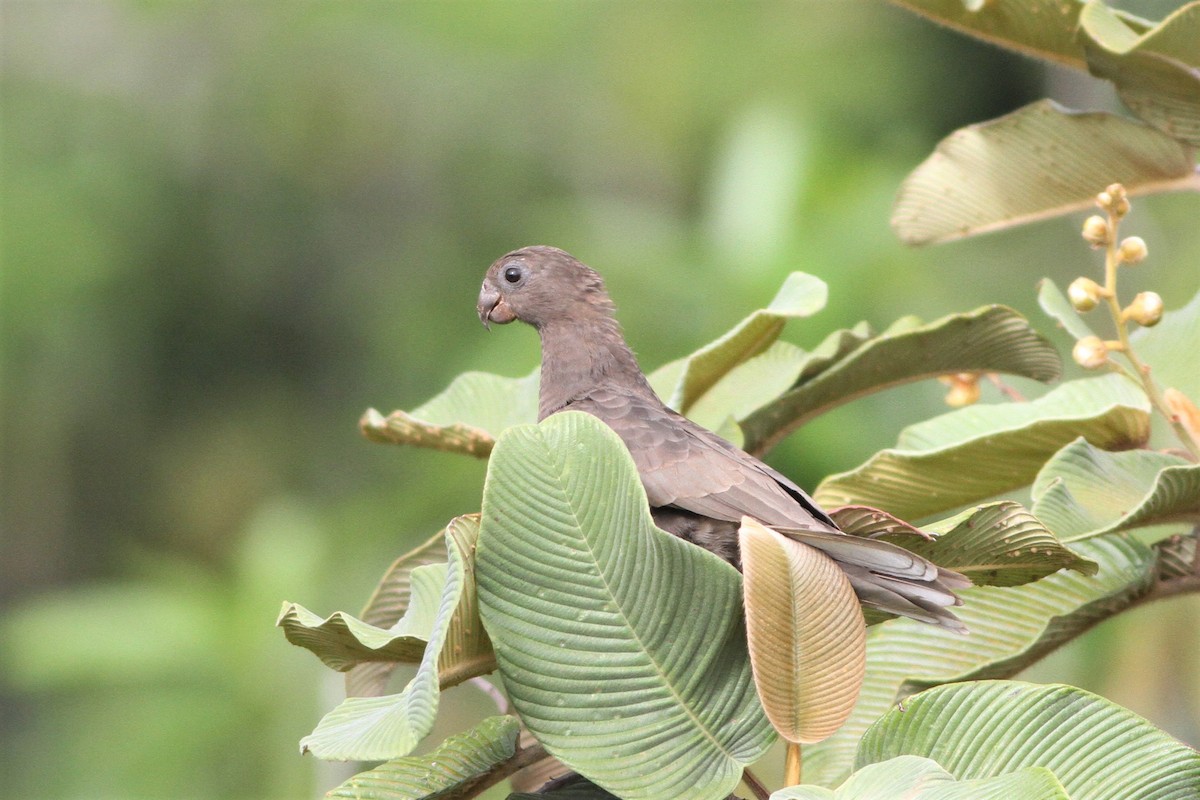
[884, 576]
[891, 579]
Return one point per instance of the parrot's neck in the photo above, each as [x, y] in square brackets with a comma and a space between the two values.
[582, 355]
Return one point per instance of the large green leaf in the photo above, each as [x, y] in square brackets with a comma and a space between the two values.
[749, 386]
[621, 646]
[761, 379]
[1010, 629]
[998, 544]
[457, 767]
[1156, 72]
[465, 418]
[1040, 161]
[341, 641]
[1041, 28]
[806, 633]
[390, 726]
[915, 778]
[1085, 491]
[1097, 749]
[387, 605]
[800, 296]
[975, 453]
[991, 339]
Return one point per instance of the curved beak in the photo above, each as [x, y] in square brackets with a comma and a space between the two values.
[488, 300]
[492, 308]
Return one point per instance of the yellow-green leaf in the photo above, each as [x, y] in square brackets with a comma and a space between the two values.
[975, 453]
[1040, 161]
[806, 634]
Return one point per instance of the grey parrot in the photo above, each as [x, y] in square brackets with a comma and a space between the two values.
[699, 486]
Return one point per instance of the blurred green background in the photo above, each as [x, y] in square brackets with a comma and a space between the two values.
[228, 228]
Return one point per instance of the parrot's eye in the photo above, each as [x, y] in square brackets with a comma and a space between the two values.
[512, 274]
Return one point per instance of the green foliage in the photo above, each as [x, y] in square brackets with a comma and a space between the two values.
[923, 779]
[628, 660]
[1045, 160]
[1099, 751]
[623, 651]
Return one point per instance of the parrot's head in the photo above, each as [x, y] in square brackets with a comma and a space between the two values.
[540, 285]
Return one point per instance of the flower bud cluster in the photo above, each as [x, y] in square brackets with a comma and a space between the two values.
[1091, 352]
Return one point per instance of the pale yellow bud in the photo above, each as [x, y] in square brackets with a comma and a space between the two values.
[1095, 231]
[1084, 294]
[1113, 200]
[1146, 309]
[1132, 250]
[1090, 352]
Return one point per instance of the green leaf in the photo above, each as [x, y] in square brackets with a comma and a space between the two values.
[806, 634]
[1010, 629]
[977, 452]
[1040, 161]
[915, 778]
[1156, 72]
[1056, 304]
[1085, 491]
[465, 418]
[621, 646]
[341, 641]
[387, 605]
[1098, 750]
[450, 771]
[992, 338]
[872, 523]
[372, 728]
[998, 544]
[1040, 28]
[800, 296]
[749, 386]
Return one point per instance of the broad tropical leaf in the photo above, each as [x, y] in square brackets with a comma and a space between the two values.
[916, 778]
[806, 634]
[465, 418]
[873, 523]
[341, 641]
[621, 646]
[975, 453]
[1040, 28]
[387, 605]
[1040, 161]
[992, 339]
[390, 726]
[1156, 72]
[1010, 629]
[1085, 491]
[1098, 750]
[998, 544]
[458, 764]
[800, 296]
